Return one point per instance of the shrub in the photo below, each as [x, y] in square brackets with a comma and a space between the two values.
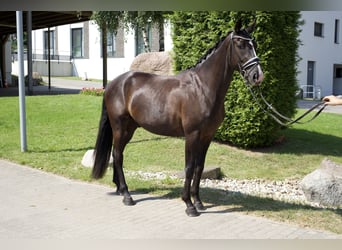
[92, 91]
[245, 124]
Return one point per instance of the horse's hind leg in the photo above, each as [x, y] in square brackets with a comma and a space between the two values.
[122, 133]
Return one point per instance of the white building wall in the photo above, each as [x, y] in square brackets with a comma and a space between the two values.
[37, 42]
[322, 50]
[92, 67]
[63, 41]
[168, 43]
[88, 67]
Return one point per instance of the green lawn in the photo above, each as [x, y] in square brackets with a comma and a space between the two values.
[60, 129]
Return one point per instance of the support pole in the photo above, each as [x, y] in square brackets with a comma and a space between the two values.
[21, 83]
[104, 55]
[49, 59]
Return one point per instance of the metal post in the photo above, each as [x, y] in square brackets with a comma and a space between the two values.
[104, 55]
[21, 83]
[49, 59]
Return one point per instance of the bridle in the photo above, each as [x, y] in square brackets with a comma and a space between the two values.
[245, 70]
[246, 67]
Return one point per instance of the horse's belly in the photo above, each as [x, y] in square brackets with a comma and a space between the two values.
[161, 126]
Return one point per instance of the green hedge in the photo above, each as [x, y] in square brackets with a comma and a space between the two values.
[276, 34]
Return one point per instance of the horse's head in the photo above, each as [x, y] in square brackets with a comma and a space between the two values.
[244, 55]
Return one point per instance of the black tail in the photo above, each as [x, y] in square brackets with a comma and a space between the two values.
[103, 145]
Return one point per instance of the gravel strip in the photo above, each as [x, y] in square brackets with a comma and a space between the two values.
[288, 190]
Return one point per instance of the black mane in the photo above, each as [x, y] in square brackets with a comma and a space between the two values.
[209, 51]
[242, 33]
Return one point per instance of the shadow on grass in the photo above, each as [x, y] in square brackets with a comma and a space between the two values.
[302, 141]
[83, 149]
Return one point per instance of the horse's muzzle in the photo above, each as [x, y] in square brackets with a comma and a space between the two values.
[252, 72]
[253, 75]
[257, 76]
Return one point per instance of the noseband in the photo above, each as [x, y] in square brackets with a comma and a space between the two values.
[247, 67]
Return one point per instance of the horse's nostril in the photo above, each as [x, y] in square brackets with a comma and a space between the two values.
[255, 76]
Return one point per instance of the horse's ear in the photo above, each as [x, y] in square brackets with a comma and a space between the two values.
[238, 25]
[251, 28]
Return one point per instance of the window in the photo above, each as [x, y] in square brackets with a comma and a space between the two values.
[337, 31]
[338, 73]
[318, 29]
[76, 43]
[46, 43]
[111, 45]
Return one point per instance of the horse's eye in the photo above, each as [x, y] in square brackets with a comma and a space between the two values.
[240, 43]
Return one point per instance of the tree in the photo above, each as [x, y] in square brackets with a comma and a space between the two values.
[141, 19]
[107, 21]
[245, 123]
[111, 20]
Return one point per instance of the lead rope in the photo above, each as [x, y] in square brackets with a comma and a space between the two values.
[275, 113]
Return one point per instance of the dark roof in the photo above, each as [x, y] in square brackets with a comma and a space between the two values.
[41, 19]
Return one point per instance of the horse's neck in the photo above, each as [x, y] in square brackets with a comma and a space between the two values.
[216, 73]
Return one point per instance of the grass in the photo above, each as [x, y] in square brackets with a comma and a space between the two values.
[60, 129]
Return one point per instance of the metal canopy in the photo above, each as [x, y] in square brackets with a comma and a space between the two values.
[41, 19]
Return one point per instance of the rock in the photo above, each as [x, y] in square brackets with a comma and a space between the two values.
[153, 62]
[324, 185]
[36, 79]
[210, 172]
[88, 159]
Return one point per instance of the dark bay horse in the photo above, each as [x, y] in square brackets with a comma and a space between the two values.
[190, 104]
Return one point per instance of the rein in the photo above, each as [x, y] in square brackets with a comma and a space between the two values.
[271, 111]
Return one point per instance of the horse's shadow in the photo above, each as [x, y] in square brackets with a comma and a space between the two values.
[221, 201]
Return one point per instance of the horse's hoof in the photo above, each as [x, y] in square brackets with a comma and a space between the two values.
[128, 201]
[199, 206]
[192, 212]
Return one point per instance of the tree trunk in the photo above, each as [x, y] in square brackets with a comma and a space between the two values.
[146, 40]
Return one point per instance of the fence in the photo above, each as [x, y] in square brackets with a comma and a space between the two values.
[311, 91]
[53, 57]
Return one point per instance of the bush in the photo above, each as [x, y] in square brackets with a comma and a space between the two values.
[245, 124]
[92, 91]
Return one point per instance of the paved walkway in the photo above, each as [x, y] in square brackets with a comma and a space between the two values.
[35, 204]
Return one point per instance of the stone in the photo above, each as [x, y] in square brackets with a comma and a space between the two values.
[210, 172]
[36, 79]
[159, 63]
[88, 159]
[324, 185]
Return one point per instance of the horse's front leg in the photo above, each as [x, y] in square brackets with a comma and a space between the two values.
[204, 145]
[190, 163]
